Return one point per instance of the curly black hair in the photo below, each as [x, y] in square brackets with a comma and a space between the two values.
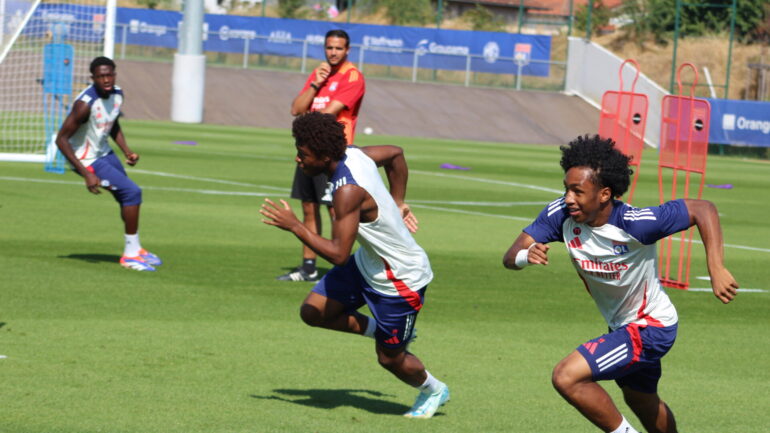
[610, 165]
[321, 133]
[101, 61]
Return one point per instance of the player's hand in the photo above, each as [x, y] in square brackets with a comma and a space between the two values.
[92, 182]
[280, 216]
[724, 285]
[409, 219]
[538, 254]
[322, 73]
[132, 158]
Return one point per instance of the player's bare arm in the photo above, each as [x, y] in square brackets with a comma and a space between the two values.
[301, 104]
[704, 215]
[78, 116]
[533, 252]
[117, 134]
[348, 202]
[334, 107]
[393, 160]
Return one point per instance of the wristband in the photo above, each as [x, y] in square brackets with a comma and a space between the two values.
[522, 257]
[313, 85]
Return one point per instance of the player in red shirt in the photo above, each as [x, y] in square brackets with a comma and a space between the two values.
[336, 87]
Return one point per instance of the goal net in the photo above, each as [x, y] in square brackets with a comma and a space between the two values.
[44, 57]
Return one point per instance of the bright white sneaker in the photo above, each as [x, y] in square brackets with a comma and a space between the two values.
[427, 404]
[136, 263]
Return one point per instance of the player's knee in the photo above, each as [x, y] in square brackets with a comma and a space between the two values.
[561, 378]
[132, 196]
[310, 315]
[388, 361]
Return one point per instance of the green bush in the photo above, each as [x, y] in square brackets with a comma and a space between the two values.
[482, 19]
[404, 12]
[291, 8]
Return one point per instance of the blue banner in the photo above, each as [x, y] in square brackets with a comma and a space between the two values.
[742, 123]
[490, 52]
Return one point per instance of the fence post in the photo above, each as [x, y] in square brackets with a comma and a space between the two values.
[304, 55]
[518, 76]
[468, 69]
[245, 52]
[414, 66]
[123, 42]
[361, 51]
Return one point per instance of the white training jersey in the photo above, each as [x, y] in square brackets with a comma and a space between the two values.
[91, 141]
[618, 261]
[389, 258]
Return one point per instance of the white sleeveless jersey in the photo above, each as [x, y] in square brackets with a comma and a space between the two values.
[618, 261]
[91, 140]
[389, 258]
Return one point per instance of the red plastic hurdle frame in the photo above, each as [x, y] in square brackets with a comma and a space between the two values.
[623, 119]
[684, 132]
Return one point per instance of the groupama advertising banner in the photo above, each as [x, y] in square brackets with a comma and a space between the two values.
[490, 52]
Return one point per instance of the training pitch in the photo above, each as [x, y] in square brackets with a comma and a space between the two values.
[212, 343]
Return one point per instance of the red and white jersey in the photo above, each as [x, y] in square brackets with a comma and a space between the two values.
[618, 261]
[91, 141]
[389, 258]
[346, 86]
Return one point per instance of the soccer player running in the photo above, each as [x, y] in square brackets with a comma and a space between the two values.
[389, 272]
[612, 246]
[83, 140]
[337, 87]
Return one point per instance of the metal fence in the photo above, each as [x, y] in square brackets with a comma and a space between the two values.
[415, 73]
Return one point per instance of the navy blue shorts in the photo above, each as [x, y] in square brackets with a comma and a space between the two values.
[395, 316]
[630, 355]
[125, 191]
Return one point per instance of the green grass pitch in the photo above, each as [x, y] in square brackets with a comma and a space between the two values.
[212, 343]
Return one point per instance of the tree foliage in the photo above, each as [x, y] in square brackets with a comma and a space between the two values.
[403, 12]
[482, 19]
[291, 9]
[657, 18]
[600, 17]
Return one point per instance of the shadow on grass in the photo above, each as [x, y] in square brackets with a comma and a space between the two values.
[369, 401]
[93, 258]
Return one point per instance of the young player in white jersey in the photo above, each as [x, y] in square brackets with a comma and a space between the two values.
[389, 272]
[612, 246]
[83, 140]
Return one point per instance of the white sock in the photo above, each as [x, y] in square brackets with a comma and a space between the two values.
[625, 427]
[430, 385]
[132, 245]
[371, 326]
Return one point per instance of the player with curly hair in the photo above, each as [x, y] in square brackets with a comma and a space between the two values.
[390, 272]
[612, 247]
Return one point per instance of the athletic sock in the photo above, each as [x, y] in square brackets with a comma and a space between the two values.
[430, 385]
[625, 427]
[371, 326]
[132, 245]
[308, 266]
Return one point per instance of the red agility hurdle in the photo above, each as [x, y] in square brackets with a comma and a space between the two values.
[684, 132]
[623, 119]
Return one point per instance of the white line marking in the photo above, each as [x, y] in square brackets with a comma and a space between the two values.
[481, 203]
[497, 182]
[706, 278]
[205, 179]
[150, 188]
[468, 212]
[279, 189]
[704, 289]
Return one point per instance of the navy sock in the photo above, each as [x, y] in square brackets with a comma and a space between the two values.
[308, 265]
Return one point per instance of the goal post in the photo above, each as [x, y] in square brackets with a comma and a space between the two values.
[47, 47]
